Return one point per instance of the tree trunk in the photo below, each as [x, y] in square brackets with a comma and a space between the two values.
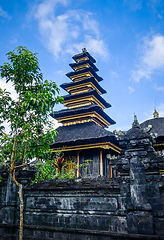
[21, 204]
[12, 172]
[21, 213]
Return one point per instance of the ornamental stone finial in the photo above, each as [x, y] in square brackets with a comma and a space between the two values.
[84, 50]
[135, 123]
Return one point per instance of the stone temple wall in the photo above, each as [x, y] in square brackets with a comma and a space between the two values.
[92, 208]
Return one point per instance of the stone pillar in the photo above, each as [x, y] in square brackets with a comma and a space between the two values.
[139, 217]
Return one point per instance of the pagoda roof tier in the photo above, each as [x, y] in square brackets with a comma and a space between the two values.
[88, 82]
[83, 73]
[83, 114]
[78, 136]
[83, 56]
[85, 98]
[83, 64]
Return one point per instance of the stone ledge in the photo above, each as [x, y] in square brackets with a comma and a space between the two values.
[119, 236]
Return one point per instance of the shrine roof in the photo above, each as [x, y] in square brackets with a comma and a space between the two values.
[80, 110]
[82, 133]
[85, 94]
[72, 65]
[83, 54]
[87, 80]
[84, 70]
[136, 133]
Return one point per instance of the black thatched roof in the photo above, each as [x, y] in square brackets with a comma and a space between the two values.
[86, 94]
[136, 133]
[83, 54]
[90, 69]
[157, 125]
[86, 80]
[80, 110]
[82, 134]
[73, 65]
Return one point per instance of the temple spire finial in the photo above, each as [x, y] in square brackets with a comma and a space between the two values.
[135, 123]
[156, 113]
[84, 50]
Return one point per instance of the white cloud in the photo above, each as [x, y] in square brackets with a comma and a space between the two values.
[13, 40]
[151, 59]
[160, 16]
[160, 109]
[159, 88]
[133, 4]
[131, 89]
[4, 14]
[61, 73]
[95, 46]
[63, 33]
[9, 88]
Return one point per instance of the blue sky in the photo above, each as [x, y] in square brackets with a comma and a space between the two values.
[126, 37]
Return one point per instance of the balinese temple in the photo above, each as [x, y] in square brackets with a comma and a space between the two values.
[82, 135]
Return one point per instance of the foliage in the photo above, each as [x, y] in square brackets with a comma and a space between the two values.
[31, 131]
[86, 167]
[58, 168]
[59, 163]
[53, 168]
[29, 115]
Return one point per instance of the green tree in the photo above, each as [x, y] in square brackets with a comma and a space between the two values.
[31, 130]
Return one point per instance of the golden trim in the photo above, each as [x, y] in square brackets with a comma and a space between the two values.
[82, 76]
[76, 102]
[81, 59]
[83, 104]
[83, 121]
[158, 144]
[82, 66]
[101, 164]
[81, 90]
[89, 84]
[89, 114]
[105, 145]
[161, 171]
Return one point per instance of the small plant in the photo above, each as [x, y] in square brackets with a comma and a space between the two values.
[53, 168]
[44, 171]
[86, 167]
[58, 168]
[59, 163]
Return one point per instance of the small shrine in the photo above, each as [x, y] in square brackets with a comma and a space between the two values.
[83, 135]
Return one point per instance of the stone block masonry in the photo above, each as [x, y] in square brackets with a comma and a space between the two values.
[92, 208]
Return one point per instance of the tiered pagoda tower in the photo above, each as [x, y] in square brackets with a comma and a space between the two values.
[84, 102]
[83, 134]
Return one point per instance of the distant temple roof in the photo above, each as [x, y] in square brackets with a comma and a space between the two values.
[157, 125]
[136, 132]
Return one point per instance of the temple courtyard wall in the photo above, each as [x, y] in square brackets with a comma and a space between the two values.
[89, 208]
